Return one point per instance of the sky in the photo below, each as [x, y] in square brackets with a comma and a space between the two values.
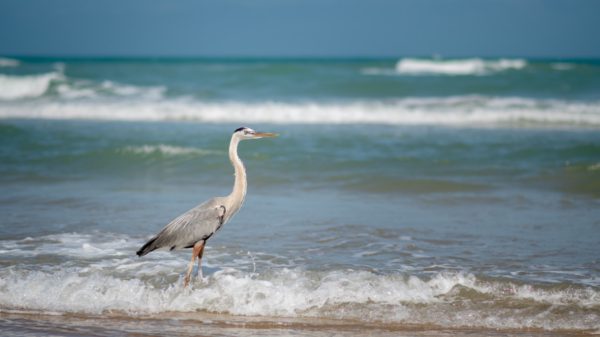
[301, 28]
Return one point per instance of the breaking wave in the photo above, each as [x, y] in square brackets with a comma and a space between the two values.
[473, 66]
[167, 150]
[53, 95]
[447, 299]
[107, 89]
[108, 279]
[19, 87]
[6, 62]
[461, 110]
[55, 85]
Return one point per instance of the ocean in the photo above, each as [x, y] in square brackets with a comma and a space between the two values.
[412, 196]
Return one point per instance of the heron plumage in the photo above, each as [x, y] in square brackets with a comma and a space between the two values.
[199, 223]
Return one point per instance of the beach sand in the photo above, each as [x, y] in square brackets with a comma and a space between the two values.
[15, 323]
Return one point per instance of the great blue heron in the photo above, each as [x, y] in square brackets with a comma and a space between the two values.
[194, 227]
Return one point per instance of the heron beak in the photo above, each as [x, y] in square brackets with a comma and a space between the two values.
[264, 134]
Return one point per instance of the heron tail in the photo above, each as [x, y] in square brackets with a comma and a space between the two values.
[147, 248]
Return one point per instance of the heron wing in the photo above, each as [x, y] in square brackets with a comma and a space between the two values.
[199, 223]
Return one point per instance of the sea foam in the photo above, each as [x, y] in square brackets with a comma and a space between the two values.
[460, 110]
[81, 89]
[474, 66]
[19, 87]
[166, 150]
[107, 277]
[6, 62]
[57, 86]
[446, 299]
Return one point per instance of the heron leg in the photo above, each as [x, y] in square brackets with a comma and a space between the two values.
[198, 247]
[200, 259]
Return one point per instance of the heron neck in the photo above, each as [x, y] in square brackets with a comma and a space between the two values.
[237, 196]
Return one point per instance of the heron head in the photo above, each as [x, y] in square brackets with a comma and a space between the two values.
[247, 133]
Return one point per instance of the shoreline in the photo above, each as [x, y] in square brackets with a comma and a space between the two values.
[188, 323]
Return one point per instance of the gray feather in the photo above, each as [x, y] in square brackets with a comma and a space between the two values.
[199, 223]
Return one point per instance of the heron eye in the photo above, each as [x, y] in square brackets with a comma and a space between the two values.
[245, 132]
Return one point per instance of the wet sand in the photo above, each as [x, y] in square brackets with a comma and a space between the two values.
[21, 323]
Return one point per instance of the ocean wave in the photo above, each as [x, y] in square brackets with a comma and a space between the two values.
[473, 66]
[6, 62]
[56, 85]
[19, 87]
[107, 277]
[77, 89]
[460, 110]
[83, 89]
[166, 150]
[446, 299]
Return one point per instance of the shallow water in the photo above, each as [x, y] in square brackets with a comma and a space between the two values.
[366, 227]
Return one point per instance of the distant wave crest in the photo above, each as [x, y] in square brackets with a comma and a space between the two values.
[18, 87]
[6, 62]
[86, 89]
[58, 86]
[459, 110]
[472, 66]
[165, 150]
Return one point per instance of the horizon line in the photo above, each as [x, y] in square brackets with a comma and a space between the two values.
[282, 58]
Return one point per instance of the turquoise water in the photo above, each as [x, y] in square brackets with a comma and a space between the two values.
[406, 92]
[463, 195]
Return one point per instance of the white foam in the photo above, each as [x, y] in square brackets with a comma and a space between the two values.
[149, 93]
[18, 87]
[459, 110]
[65, 244]
[378, 71]
[67, 91]
[356, 295]
[109, 277]
[167, 150]
[473, 66]
[78, 89]
[6, 62]
[13, 87]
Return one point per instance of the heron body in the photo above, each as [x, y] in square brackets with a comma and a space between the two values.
[193, 228]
